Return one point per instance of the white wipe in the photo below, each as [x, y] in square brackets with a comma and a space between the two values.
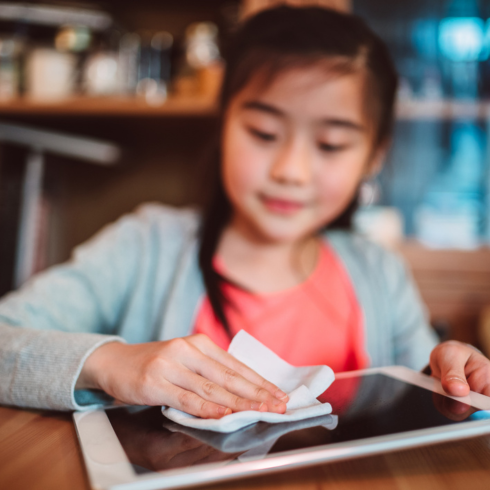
[302, 384]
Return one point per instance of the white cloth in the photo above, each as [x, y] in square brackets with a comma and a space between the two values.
[302, 384]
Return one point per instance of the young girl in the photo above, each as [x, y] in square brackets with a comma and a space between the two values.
[145, 310]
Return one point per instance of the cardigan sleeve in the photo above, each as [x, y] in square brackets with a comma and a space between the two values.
[397, 330]
[413, 337]
[52, 324]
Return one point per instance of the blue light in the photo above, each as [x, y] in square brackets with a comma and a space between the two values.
[480, 415]
[424, 38]
[462, 38]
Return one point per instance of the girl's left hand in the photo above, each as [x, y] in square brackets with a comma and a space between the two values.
[460, 368]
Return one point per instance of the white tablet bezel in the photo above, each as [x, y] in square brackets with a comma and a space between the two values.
[109, 468]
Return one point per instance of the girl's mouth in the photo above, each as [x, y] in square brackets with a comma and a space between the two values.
[281, 206]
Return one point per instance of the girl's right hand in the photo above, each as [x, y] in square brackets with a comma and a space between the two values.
[191, 374]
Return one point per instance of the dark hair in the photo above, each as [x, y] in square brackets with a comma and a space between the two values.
[269, 43]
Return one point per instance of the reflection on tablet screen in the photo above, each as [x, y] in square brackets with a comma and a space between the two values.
[364, 406]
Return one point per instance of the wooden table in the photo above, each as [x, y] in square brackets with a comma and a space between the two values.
[39, 450]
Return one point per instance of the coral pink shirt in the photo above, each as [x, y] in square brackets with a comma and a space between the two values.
[316, 322]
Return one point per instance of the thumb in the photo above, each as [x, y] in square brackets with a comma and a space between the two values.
[455, 384]
[450, 363]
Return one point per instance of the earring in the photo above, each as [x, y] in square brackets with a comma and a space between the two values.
[369, 191]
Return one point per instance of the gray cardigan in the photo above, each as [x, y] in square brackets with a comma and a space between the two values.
[138, 280]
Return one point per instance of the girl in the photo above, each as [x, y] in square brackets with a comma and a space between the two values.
[144, 311]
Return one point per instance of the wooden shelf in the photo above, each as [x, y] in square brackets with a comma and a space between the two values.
[203, 107]
[110, 106]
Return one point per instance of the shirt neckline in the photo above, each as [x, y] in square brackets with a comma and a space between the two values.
[325, 251]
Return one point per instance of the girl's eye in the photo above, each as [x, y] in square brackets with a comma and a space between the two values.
[330, 148]
[262, 135]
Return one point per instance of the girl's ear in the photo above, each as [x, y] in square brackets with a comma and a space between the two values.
[377, 160]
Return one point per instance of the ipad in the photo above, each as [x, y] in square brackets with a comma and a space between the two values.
[374, 410]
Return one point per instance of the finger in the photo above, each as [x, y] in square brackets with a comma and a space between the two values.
[208, 390]
[452, 409]
[210, 349]
[250, 375]
[450, 361]
[234, 382]
[478, 374]
[193, 404]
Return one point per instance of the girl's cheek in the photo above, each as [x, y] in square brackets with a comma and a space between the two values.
[338, 186]
[241, 167]
[243, 162]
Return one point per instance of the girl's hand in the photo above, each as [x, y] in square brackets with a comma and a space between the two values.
[460, 368]
[191, 374]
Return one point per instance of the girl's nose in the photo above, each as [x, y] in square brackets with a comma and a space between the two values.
[292, 165]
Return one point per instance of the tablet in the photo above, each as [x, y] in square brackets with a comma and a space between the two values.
[374, 410]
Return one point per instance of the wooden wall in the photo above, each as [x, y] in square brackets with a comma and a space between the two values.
[455, 286]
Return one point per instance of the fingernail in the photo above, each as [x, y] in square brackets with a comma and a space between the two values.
[224, 411]
[456, 378]
[256, 405]
[281, 395]
[279, 402]
[263, 407]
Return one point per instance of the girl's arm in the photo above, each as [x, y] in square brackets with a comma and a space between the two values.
[39, 368]
[413, 337]
[59, 332]
[460, 367]
[52, 324]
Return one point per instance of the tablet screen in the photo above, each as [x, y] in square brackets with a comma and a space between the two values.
[363, 406]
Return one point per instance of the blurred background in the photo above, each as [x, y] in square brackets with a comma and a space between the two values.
[107, 104]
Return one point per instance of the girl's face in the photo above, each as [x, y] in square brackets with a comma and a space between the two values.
[295, 152]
